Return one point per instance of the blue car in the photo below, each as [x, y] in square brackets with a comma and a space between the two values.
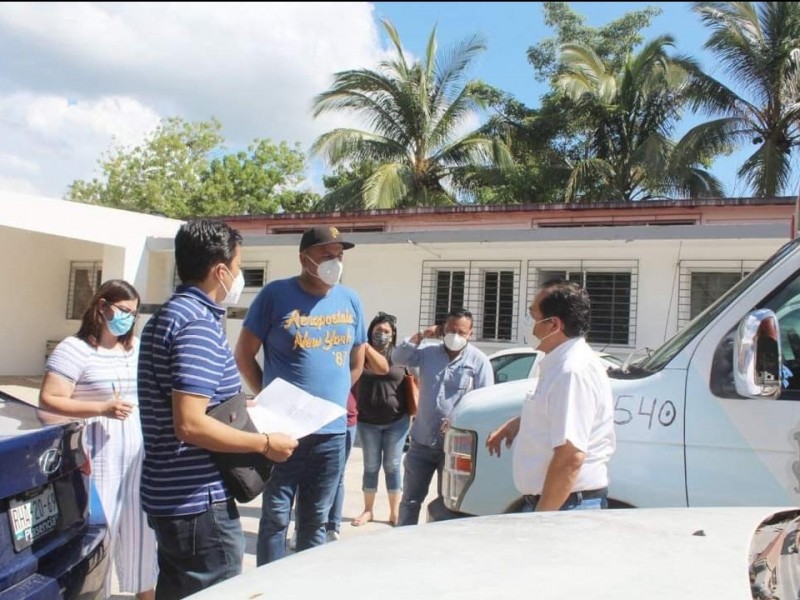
[53, 533]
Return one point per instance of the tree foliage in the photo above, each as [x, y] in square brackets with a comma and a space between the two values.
[611, 43]
[540, 146]
[546, 142]
[758, 45]
[635, 109]
[180, 171]
[414, 111]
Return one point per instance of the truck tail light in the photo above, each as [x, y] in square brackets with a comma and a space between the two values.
[459, 465]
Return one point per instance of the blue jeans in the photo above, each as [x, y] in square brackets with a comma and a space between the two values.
[197, 551]
[584, 504]
[420, 464]
[313, 473]
[335, 515]
[383, 444]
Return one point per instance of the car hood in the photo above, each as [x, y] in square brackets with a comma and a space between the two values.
[504, 398]
[18, 417]
[663, 553]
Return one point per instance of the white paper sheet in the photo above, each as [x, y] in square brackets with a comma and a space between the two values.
[285, 408]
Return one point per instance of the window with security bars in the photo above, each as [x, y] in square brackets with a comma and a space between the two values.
[488, 289]
[255, 276]
[702, 282]
[498, 305]
[84, 279]
[449, 293]
[612, 288]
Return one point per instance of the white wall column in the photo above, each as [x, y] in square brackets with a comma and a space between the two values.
[129, 262]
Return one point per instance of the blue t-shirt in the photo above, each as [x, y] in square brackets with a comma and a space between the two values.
[307, 339]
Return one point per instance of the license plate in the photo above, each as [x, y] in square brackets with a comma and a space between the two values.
[32, 517]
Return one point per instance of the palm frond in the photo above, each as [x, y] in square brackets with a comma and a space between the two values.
[463, 106]
[653, 155]
[694, 182]
[387, 186]
[652, 57]
[430, 55]
[347, 197]
[401, 65]
[410, 111]
[451, 66]
[584, 171]
[710, 139]
[767, 170]
[341, 145]
[585, 73]
[475, 150]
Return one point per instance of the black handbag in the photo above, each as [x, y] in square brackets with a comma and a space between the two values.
[244, 473]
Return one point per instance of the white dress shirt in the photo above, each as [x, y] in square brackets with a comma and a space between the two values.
[572, 402]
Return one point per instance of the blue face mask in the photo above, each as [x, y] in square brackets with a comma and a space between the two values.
[120, 323]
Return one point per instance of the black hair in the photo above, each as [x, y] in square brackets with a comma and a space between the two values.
[459, 313]
[200, 245]
[569, 302]
[382, 317]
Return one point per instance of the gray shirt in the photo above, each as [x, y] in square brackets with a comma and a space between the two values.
[443, 382]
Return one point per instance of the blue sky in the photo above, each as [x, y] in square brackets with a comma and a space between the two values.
[79, 79]
[510, 28]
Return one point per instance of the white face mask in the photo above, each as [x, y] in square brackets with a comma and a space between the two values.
[232, 295]
[329, 271]
[454, 342]
[536, 341]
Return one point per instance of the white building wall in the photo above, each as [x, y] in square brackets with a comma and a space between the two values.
[39, 237]
[33, 306]
[388, 276]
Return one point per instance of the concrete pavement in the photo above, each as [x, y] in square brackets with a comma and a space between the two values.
[353, 506]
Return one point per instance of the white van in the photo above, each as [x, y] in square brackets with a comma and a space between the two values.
[710, 418]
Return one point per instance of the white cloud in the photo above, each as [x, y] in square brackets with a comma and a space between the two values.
[77, 75]
[18, 164]
[52, 140]
[16, 184]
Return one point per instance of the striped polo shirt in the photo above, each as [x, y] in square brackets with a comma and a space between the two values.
[183, 347]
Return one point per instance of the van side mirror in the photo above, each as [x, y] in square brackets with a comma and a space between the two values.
[757, 362]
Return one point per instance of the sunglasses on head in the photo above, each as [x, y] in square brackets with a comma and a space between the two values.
[387, 317]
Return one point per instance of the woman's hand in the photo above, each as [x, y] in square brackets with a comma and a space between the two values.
[117, 408]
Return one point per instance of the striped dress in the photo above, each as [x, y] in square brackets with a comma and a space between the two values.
[116, 454]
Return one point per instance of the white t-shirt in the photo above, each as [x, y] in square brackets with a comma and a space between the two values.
[572, 401]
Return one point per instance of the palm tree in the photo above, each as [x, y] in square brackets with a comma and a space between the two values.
[758, 44]
[630, 155]
[413, 111]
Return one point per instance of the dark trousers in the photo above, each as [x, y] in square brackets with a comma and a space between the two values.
[197, 551]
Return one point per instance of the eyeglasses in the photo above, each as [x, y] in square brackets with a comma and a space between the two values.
[387, 317]
[123, 309]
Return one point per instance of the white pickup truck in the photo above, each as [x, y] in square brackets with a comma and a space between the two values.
[710, 418]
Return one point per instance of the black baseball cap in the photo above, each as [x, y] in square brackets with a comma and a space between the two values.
[322, 234]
